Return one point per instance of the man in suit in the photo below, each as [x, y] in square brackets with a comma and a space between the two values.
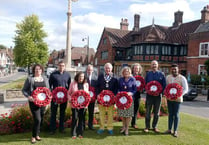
[92, 81]
[106, 81]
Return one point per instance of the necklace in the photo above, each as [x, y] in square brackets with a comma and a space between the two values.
[38, 79]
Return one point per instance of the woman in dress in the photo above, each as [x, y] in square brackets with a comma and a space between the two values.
[79, 83]
[127, 83]
[31, 83]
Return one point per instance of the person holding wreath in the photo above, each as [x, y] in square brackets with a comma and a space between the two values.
[127, 83]
[154, 100]
[59, 78]
[106, 81]
[31, 83]
[78, 116]
[174, 104]
[92, 81]
[136, 70]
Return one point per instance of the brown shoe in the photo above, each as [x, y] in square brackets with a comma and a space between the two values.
[38, 138]
[156, 130]
[134, 126]
[146, 130]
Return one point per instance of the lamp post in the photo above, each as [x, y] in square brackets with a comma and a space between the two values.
[87, 38]
[68, 41]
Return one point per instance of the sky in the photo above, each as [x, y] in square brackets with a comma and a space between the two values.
[89, 17]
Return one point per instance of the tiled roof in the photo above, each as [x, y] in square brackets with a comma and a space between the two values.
[203, 28]
[78, 52]
[152, 33]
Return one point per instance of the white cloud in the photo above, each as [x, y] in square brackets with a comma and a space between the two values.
[163, 13]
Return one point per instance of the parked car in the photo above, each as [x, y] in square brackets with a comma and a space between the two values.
[49, 70]
[21, 69]
[191, 95]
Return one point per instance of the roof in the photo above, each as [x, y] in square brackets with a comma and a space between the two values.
[203, 28]
[152, 33]
[81, 52]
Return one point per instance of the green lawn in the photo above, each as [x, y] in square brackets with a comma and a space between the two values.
[17, 84]
[192, 130]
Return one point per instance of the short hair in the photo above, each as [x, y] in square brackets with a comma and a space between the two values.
[108, 64]
[34, 67]
[136, 64]
[77, 76]
[89, 65]
[125, 68]
[174, 65]
[61, 61]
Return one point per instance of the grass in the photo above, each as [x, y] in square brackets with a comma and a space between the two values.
[17, 84]
[192, 130]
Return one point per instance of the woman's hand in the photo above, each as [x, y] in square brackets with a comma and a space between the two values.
[130, 94]
[30, 98]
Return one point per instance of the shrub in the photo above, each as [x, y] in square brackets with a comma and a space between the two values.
[142, 108]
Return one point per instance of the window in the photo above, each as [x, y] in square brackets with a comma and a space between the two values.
[175, 50]
[105, 41]
[156, 49]
[148, 49]
[204, 48]
[138, 49]
[183, 50]
[104, 54]
[202, 70]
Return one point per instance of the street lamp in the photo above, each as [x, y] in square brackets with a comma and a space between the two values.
[68, 41]
[87, 38]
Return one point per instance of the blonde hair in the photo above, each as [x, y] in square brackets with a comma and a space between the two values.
[124, 69]
[136, 64]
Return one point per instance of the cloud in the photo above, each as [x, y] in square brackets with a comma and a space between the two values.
[163, 13]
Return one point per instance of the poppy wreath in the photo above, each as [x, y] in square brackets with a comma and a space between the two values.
[92, 94]
[80, 99]
[173, 91]
[42, 96]
[140, 82]
[59, 95]
[106, 98]
[123, 100]
[154, 88]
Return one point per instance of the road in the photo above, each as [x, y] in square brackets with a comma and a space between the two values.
[196, 107]
[12, 77]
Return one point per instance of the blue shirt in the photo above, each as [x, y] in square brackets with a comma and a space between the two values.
[57, 79]
[127, 86]
[156, 76]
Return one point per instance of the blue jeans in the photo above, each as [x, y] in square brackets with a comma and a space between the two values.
[155, 102]
[173, 110]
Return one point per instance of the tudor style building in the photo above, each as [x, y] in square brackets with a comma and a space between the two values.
[167, 45]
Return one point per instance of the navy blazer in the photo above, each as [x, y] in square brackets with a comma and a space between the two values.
[101, 84]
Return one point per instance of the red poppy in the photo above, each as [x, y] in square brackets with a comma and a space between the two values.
[80, 99]
[106, 98]
[154, 88]
[42, 96]
[140, 82]
[173, 91]
[92, 94]
[123, 100]
[59, 95]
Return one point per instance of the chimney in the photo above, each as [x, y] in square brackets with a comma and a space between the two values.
[178, 16]
[124, 24]
[136, 22]
[205, 14]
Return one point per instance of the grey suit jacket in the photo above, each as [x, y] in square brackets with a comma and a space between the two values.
[29, 86]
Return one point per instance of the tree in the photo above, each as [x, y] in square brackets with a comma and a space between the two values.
[3, 47]
[207, 66]
[29, 45]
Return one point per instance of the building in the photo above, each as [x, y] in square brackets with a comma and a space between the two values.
[6, 61]
[79, 56]
[167, 45]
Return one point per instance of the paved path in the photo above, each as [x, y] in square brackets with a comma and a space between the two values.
[12, 77]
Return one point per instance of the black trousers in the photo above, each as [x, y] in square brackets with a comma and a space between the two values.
[136, 102]
[54, 107]
[77, 121]
[38, 115]
[90, 115]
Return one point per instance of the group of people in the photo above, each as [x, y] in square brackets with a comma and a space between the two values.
[105, 81]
